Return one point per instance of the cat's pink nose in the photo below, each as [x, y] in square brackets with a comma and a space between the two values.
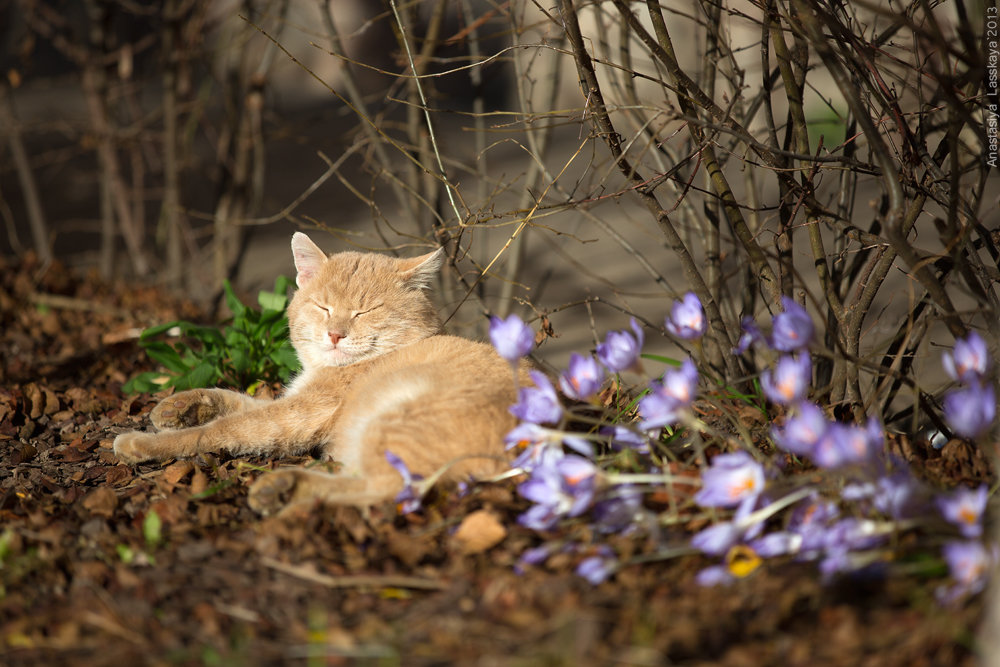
[336, 336]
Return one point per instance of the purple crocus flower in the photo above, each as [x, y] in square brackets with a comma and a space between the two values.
[802, 431]
[845, 444]
[539, 445]
[658, 410]
[964, 508]
[408, 500]
[899, 496]
[778, 543]
[583, 378]
[714, 575]
[715, 540]
[563, 488]
[687, 318]
[789, 381]
[536, 445]
[792, 329]
[969, 564]
[853, 534]
[526, 435]
[538, 404]
[597, 568]
[668, 397]
[539, 517]
[730, 480]
[534, 556]
[810, 521]
[621, 437]
[969, 360]
[618, 511]
[719, 538]
[751, 334]
[844, 537]
[970, 410]
[512, 338]
[620, 349]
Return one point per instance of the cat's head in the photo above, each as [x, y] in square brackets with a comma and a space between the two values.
[352, 306]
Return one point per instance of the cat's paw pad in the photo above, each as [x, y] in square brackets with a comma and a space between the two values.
[184, 410]
[133, 447]
[273, 491]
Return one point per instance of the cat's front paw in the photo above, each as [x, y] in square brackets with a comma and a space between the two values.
[186, 409]
[134, 447]
[273, 492]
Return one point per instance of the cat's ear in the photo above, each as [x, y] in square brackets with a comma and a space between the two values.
[308, 258]
[418, 272]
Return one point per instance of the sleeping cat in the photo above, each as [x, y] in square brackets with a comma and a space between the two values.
[377, 375]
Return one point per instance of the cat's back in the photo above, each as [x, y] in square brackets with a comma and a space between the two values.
[458, 363]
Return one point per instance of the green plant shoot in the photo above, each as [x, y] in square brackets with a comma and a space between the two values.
[253, 347]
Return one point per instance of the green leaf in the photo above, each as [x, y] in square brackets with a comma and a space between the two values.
[159, 329]
[6, 539]
[125, 553]
[253, 346]
[271, 317]
[240, 360]
[166, 356]
[147, 383]
[279, 329]
[663, 360]
[232, 302]
[152, 529]
[203, 375]
[272, 301]
[213, 489]
[285, 358]
[207, 335]
[281, 284]
[236, 338]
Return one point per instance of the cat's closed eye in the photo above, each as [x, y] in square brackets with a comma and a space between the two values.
[325, 308]
[364, 311]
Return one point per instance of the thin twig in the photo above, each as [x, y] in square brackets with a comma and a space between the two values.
[309, 574]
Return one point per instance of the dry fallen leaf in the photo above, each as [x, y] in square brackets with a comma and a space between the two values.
[175, 472]
[478, 532]
[102, 501]
[199, 481]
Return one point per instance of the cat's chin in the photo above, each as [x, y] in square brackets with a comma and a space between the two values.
[338, 357]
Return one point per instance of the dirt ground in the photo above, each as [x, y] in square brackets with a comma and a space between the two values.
[87, 577]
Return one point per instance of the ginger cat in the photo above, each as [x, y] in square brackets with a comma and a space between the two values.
[377, 375]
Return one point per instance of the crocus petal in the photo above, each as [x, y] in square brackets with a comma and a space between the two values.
[970, 411]
[583, 378]
[792, 329]
[730, 480]
[687, 318]
[969, 360]
[964, 508]
[620, 349]
[512, 338]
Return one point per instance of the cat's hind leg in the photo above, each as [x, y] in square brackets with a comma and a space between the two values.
[199, 406]
[286, 489]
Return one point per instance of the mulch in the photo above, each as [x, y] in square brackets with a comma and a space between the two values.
[103, 563]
